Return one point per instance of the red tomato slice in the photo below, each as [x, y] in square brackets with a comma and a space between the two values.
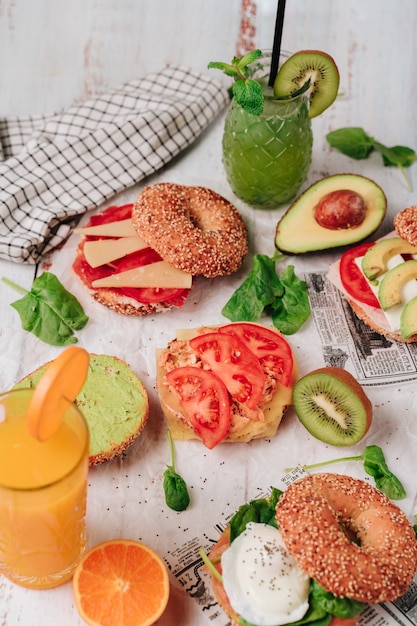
[234, 363]
[272, 350]
[205, 401]
[174, 297]
[353, 280]
[111, 214]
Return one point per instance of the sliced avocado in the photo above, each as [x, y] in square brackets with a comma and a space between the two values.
[374, 263]
[298, 232]
[408, 321]
[389, 291]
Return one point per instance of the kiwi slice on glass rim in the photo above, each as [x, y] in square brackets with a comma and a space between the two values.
[313, 67]
[332, 405]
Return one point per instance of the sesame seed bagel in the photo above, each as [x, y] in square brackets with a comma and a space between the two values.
[316, 514]
[193, 228]
[405, 223]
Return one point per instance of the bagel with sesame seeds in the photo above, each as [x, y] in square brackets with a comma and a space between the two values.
[349, 537]
[327, 546]
[194, 228]
[142, 258]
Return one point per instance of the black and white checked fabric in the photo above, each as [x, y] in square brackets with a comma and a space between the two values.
[56, 167]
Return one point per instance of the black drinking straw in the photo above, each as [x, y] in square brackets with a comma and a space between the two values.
[276, 49]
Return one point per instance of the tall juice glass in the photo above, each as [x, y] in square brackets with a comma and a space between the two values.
[267, 156]
[43, 488]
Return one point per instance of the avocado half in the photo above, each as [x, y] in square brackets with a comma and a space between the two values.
[298, 232]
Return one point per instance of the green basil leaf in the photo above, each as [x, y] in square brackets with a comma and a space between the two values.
[353, 142]
[175, 489]
[293, 309]
[51, 312]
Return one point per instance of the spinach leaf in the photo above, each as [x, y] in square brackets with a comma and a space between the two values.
[291, 311]
[357, 144]
[261, 287]
[261, 510]
[375, 465]
[284, 297]
[352, 142]
[335, 605]
[175, 488]
[49, 311]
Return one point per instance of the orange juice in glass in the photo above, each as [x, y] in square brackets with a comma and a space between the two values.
[43, 487]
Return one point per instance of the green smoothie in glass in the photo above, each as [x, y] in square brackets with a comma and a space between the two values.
[267, 140]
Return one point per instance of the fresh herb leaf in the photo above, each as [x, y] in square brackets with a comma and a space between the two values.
[49, 311]
[341, 607]
[248, 93]
[261, 288]
[284, 297]
[175, 489]
[261, 511]
[375, 465]
[293, 308]
[357, 144]
[352, 142]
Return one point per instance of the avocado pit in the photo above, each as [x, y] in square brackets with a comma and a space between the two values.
[342, 208]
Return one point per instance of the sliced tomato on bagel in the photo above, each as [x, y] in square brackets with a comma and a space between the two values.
[111, 214]
[352, 278]
[205, 400]
[272, 350]
[88, 274]
[228, 357]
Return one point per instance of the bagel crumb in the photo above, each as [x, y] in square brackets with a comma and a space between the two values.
[193, 228]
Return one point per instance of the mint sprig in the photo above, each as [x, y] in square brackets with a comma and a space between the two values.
[246, 91]
[357, 144]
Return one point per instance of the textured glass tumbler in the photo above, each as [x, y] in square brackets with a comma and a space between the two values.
[43, 488]
[267, 156]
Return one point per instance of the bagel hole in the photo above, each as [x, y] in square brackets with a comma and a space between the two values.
[349, 531]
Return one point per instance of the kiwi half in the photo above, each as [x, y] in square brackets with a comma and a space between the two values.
[317, 67]
[332, 406]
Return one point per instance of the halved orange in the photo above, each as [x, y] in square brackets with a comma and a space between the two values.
[121, 582]
[61, 382]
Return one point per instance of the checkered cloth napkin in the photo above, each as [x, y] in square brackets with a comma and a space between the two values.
[54, 168]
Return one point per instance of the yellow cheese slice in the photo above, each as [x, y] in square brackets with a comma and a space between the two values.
[123, 228]
[103, 251]
[155, 275]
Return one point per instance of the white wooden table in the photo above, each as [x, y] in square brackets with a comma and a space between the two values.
[55, 53]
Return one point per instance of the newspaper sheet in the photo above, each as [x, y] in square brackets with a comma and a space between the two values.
[349, 343]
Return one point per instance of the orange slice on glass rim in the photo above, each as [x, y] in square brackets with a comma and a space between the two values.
[121, 582]
[60, 384]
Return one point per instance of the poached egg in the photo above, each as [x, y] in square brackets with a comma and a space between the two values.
[262, 579]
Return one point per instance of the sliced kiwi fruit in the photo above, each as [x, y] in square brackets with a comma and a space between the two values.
[332, 406]
[315, 67]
